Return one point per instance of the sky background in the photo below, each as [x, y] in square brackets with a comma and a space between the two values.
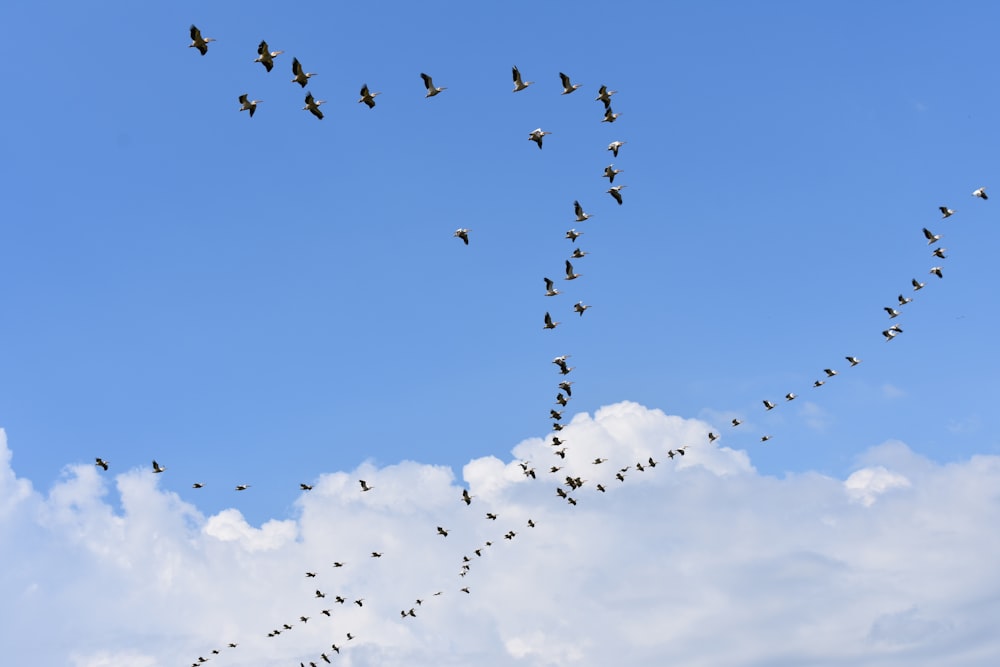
[279, 300]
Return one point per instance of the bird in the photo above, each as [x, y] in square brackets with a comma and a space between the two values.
[429, 84]
[306, 487]
[980, 192]
[312, 106]
[491, 516]
[246, 104]
[568, 87]
[768, 405]
[580, 307]
[580, 215]
[367, 96]
[569, 272]
[338, 564]
[199, 42]
[604, 95]
[736, 422]
[946, 212]
[197, 485]
[242, 487]
[939, 253]
[819, 383]
[931, 237]
[441, 531]
[466, 498]
[550, 289]
[519, 85]
[712, 437]
[917, 284]
[598, 461]
[829, 372]
[101, 463]
[937, 271]
[573, 235]
[465, 590]
[549, 324]
[614, 146]
[854, 361]
[651, 462]
[350, 636]
[360, 602]
[600, 487]
[265, 56]
[610, 116]
[765, 438]
[301, 76]
[616, 192]
[903, 300]
[891, 333]
[364, 485]
[565, 385]
[536, 136]
[304, 619]
[326, 612]
[561, 359]
[789, 396]
[579, 254]
[564, 369]
[610, 172]
[309, 575]
[556, 414]
[561, 400]
[531, 524]
[335, 648]
[320, 594]
[157, 468]
[376, 554]
[463, 234]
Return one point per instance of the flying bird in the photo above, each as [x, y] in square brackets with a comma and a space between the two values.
[939, 253]
[101, 463]
[789, 396]
[556, 414]
[854, 361]
[946, 212]
[312, 106]
[367, 96]
[265, 56]
[610, 116]
[364, 485]
[829, 372]
[565, 385]
[549, 324]
[246, 104]
[569, 272]
[536, 135]
[550, 289]
[931, 237]
[573, 235]
[157, 467]
[891, 333]
[604, 95]
[614, 146]
[568, 86]
[429, 84]
[616, 192]
[580, 215]
[561, 400]
[301, 76]
[466, 498]
[610, 172]
[765, 438]
[712, 437]
[768, 405]
[519, 85]
[579, 254]
[736, 422]
[937, 271]
[917, 284]
[903, 300]
[819, 383]
[306, 487]
[242, 487]
[580, 307]
[199, 42]
[197, 485]
[463, 234]
[980, 192]
[441, 531]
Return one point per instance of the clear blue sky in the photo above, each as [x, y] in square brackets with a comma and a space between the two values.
[264, 301]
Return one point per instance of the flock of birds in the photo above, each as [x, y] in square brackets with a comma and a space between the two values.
[569, 486]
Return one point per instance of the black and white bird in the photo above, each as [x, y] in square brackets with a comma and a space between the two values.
[936, 270]
[550, 289]
[519, 84]
[265, 56]
[312, 106]
[931, 236]
[301, 76]
[429, 84]
[536, 135]
[463, 234]
[101, 463]
[157, 468]
[768, 405]
[364, 485]
[614, 146]
[616, 192]
[367, 96]
[854, 361]
[946, 212]
[891, 333]
[570, 275]
[892, 312]
[580, 307]
[246, 104]
[610, 172]
[604, 95]
[199, 42]
[917, 284]
[579, 253]
[568, 86]
[903, 300]
[581, 216]
[980, 192]
[549, 324]
[939, 253]
[610, 116]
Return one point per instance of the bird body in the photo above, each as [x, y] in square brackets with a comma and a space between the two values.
[242, 487]
[903, 300]
[610, 172]
[580, 215]
[570, 275]
[937, 271]
[157, 468]
[610, 116]
[980, 192]
[768, 405]
[573, 235]
[614, 146]
[917, 284]
[946, 212]
[364, 485]
[604, 95]
[854, 361]
[550, 289]
[931, 236]
[101, 463]
[580, 307]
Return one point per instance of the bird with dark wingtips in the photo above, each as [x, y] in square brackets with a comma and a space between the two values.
[536, 135]
[101, 463]
[568, 86]
[246, 104]
[312, 106]
[265, 56]
[519, 84]
[367, 96]
[429, 84]
[463, 234]
[614, 146]
[301, 76]
[616, 192]
[199, 42]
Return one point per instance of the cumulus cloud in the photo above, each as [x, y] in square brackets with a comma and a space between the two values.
[696, 560]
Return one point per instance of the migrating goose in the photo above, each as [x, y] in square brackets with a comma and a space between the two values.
[568, 87]
[937, 271]
[312, 106]
[939, 253]
[549, 324]
[367, 96]
[614, 146]
[364, 485]
[604, 95]
[199, 42]
[429, 84]
[946, 212]
[610, 172]
[580, 215]
[569, 272]
[519, 85]
[903, 300]
[463, 234]
[101, 463]
[854, 361]
[610, 116]
[573, 235]
[579, 254]
[265, 56]
[580, 306]
[917, 284]
[536, 136]
[980, 192]
[931, 237]
[246, 104]
[301, 76]
[768, 405]
[550, 289]
[616, 192]
[157, 467]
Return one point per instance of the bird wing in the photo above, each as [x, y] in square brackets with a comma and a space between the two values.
[517, 75]
[429, 82]
[569, 268]
[262, 48]
[565, 80]
[548, 284]
[195, 33]
[296, 67]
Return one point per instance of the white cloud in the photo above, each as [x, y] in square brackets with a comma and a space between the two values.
[699, 561]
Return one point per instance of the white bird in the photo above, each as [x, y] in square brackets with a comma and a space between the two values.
[265, 56]
[566, 386]
[301, 76]
[429, 84]
[579, 254]
[519, 85]
[939, 253]
[768, 405]
[946, 212]
[101, 463]
[980, 192]
[819, 383]
[568, 87]
[616, 192]
[242, 487]
[789, 396]
[712, 437]
[561, 359]
[573, 235]
[604, 95]
[580, 215]
[569, 272]
[550, 289]
[917, 284]
[854, 361]
[937, 271]
[312, 106]
[197, 485]
[246, 104]
[580, 307]
[610, 172]
[549, 324]
[536, 136]
[614, 146]
[765, 438]
[157, 467]
[199, 42]
[736, 422]
[903, 300]
[364, 485]
[829, 372]
[463, 234]
[367, 96]
[610, 116]
[931, 237]
[891, 333]
[892, 312]
[561, 400]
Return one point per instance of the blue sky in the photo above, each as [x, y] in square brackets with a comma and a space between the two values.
[279, 300]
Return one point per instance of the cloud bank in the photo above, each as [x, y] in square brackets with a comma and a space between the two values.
[698, 560]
